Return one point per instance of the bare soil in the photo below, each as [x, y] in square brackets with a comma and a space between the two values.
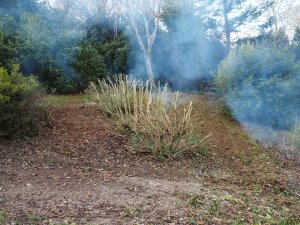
[81, 170]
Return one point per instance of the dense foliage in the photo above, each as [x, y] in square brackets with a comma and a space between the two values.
[261, 85]
[18, 109]
[296, 43]
[67, 53]
[56, 54]
[100, 55]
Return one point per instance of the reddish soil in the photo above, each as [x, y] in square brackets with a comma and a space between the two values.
[82, 170]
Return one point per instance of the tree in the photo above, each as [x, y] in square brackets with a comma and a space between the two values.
[192, 55]
[115, 50]
[8, 42]
[230, 15]
[144, 17]
[261, 85]
[295, 15]
[19, 111]
[67, 7]
[278, 14]
[16, 7]
[90, 65]
[296, 43]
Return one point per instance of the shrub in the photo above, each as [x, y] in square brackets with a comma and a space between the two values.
[8, 47]
[152, 115]
[296, 136]
[112, 45]
[101, 55]
[65, 85]
[261, 85]
[90, 65]
[18, 107]
[296, 43]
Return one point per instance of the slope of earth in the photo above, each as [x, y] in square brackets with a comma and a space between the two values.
[82, 171]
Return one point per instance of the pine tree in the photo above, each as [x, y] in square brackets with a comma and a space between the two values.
[232, 14]
[296, 43]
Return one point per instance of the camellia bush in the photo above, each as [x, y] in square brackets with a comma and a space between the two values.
[261, 85]
[18, 104]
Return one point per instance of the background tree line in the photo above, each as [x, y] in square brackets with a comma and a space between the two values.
[66, 52]
[68, 44]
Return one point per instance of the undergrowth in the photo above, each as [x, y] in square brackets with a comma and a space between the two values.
[20, 113]
[296, 136]
[150, 113]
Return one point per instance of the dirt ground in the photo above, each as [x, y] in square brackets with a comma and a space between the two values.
[82, 171]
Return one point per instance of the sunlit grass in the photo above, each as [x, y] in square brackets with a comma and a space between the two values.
[61, 100]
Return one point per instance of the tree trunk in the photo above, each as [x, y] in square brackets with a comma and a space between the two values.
[148, 63]
[227, 29]
[228, 42]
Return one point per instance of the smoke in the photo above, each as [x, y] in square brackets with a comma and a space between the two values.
[261, 85]
[263, 93]
[188, 55]
[45, 36]
[183, 55]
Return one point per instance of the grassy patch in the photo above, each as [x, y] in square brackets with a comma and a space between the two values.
[66, 222]
[214, 206]
[7, 218]
[129, 212]
[256, 188]
[4, 216]
[30, 219]
[61, 100]
[194, 200]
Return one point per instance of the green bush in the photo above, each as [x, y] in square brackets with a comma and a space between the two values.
[296, 43]
[18, 108]
[90, 65]
[8, 44]
[65, 85]
[261, 85]
[102, 54]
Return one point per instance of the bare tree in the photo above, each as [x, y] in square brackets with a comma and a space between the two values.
[278, 12]
[103, 10]
[144, 17]
[295, 15]
[96, 8]
[64, 5]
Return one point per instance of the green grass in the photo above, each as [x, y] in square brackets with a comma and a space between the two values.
[214, 206]
[61, 100]
[129, 212]
[7, 218]
[194, 200]
[3, 217]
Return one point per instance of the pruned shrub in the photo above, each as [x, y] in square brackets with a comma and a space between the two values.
[152, 114]
[18, 108]
[261, 85]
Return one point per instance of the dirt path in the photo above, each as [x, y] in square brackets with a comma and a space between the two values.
[81, 171]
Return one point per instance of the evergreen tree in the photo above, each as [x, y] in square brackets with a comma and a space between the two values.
[230, 15]
[296, 43]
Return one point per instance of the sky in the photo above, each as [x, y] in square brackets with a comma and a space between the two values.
[249, 30]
